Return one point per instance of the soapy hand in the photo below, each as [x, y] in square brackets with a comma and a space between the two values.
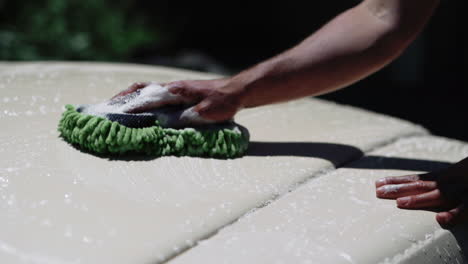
[144, 96]
[445, 190]
[207, 101]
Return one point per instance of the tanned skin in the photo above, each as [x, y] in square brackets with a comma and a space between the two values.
[352, 46]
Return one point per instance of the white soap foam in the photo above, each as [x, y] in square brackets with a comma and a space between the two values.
[389, 189]
[193, 117]
[151, 94]
[151, 97]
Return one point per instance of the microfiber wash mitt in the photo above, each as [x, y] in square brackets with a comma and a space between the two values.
[96, 129]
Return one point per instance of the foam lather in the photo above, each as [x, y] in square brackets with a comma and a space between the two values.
[100, 134]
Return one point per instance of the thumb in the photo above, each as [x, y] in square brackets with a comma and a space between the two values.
[203, 108]
[191, 116]
[452, 217]
[216, 109]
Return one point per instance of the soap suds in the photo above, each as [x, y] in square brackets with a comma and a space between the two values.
[191, 116]
[152, 97]
[387, 189]
[149, 95]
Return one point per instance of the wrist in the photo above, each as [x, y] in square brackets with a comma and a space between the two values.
[234, 92]
[246, 84]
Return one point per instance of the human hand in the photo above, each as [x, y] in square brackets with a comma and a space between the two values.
[445, 191]
[207, 101]
[144, 96]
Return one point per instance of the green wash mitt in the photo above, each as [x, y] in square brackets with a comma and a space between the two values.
[100, 135]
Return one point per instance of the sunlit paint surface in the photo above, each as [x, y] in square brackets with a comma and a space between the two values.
[60, 205]
[335, 218]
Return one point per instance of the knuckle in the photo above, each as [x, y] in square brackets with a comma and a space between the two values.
[414, 177]
[420, 185]
[179, 84]
[385, 180]
[390, 180]
[175, 90]
[173, 85]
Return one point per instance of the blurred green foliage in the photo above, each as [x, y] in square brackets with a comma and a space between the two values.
[72, 30]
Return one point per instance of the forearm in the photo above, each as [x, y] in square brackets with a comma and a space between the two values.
[355, 44]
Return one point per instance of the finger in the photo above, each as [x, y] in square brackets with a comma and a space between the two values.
[203, 107]
[191, 117]
[430, 199]
[137, 86]
[152, 97]
[217, 107]
[393, 191]
[176, 86]
[397, 180]
[188, 93]
[132, 88]
[210, 110]
[452, 217]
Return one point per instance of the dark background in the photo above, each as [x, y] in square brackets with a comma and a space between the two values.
[426, 85]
